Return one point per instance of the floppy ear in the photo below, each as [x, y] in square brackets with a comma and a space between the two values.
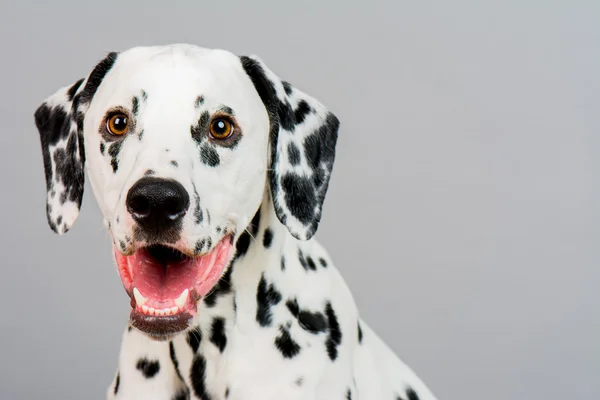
[59, 120]
[303, 136]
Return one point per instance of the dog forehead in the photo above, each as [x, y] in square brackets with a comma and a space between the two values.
[181, 72]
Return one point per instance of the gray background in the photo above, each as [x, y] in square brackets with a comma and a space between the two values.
[464, 205]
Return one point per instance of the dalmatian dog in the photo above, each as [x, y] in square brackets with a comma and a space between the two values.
[210, 172]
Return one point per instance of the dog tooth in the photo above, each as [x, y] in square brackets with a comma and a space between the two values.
[145, 309]
[139, 299]
[180, 302]
[151, 310]
[167, 311]
[174, 309]
[160, 312]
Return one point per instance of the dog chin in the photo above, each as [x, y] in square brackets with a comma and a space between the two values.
[165, 284]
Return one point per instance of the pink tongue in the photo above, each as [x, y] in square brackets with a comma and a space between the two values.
[163, 283]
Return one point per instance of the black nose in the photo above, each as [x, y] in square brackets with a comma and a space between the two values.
[157, 204]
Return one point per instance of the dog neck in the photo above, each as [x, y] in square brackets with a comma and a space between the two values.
[248, 282]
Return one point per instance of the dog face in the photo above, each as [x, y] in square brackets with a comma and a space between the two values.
[182, 145]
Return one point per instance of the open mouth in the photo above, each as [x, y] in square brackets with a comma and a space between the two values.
[164, 284]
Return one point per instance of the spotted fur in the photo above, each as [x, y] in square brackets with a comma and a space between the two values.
[281, 322]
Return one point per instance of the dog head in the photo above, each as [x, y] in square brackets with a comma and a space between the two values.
[182, 145]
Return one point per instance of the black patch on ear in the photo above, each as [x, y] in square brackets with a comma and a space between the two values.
[300, 197]
[267, 296]
[288, 347]
[313, 322]
[174, 359]
[294, 155]
[117, 383]
[73, 89]
[194, 337]
[97, 76]
[199, 101]
[360, 333]
[287, 87]
[217, 336]
[209, 155]
[148, 368]
[335, 334]
[198, 377]
[302, 111]
[267, 238]
[113, 152]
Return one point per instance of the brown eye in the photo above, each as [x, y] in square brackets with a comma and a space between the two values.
[117, 124]
[220, 128]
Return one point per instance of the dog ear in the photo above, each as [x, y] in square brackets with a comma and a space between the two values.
[303, 136]
[59, 120]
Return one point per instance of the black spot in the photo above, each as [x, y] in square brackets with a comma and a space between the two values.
[266, 297]
[360, 333]
[314, 322]
[226, 110]
[300, 197]
[144, 95]
[323, 262]
[117, 383]
[123, 245]
[135, 106]
[208, 243]
[199, 101]
[149, 172]
[335, 333]
[411, 394]
[302, 111]
[287, 87]
[208, 216]
[97, 76]
[113, 151]
[294, 155]
[305, 261]
[299, 381]
[209, 155]
[59, 220]
[198, 215]
[348, 394]
[226, 393]
[198, 377]
[242, 244]
[217, 336]
[141, 134]
[182, 394]
[282, 263]
[129, 328]
[222, 288]
[200, 246]
[267, 238]
[285, 344]
[102, 148]
[255, 223]
[194, 337]
[73, 89]
[200, 130]
[148, 368]
[174, 163]
[174, 359]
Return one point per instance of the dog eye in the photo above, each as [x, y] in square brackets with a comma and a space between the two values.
[220, 128]
[117, 124]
